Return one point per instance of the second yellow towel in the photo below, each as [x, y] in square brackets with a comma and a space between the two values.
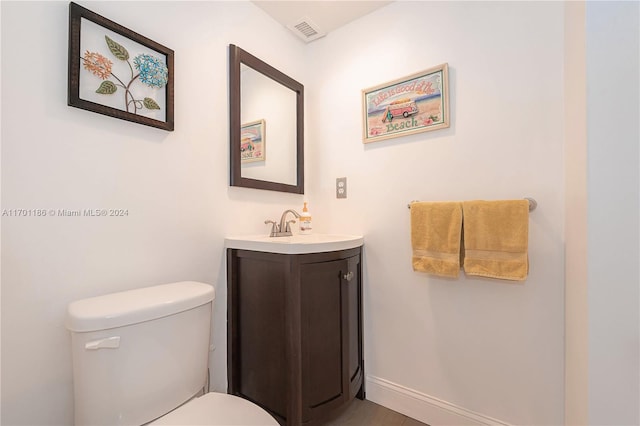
[496, 238]
[435, 237]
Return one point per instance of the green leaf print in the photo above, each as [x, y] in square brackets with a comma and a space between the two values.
[117, 49]
[107, 88]
[150, 103]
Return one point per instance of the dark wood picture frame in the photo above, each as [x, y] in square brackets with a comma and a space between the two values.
[76, 13]
[237, 56]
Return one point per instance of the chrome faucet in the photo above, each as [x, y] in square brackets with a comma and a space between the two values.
[285, 227]
[282, 229]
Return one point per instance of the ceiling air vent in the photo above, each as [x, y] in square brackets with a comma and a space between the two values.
[306, 29]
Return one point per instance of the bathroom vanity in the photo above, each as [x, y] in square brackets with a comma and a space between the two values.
[294, 324]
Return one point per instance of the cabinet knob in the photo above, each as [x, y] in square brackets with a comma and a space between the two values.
[348, 276]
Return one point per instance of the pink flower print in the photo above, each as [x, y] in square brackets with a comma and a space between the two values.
[97, 64]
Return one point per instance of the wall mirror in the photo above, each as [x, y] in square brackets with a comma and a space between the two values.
[266, 125]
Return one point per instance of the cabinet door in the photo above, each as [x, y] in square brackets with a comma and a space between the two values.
[258, 342]
[323, 335]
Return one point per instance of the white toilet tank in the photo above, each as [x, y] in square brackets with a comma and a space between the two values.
[139, 354]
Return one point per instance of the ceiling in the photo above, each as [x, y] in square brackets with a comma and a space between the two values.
[324, 16]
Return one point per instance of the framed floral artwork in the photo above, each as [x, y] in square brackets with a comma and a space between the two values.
[412, 104]
[117, 72]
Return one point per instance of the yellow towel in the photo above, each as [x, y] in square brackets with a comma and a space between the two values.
[435, 237]
[496, 238]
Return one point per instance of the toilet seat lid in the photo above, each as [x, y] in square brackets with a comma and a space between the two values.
[218, 409]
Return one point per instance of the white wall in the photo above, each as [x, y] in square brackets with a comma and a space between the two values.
[602, 231]
[490, 347]
[174, 184]
[576, 231]
[613, 135]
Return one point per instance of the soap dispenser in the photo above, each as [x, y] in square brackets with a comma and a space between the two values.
[305, 220]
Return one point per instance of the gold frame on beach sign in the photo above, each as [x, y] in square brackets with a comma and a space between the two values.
[412, 104]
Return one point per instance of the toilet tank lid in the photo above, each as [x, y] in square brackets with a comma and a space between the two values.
[134, 306]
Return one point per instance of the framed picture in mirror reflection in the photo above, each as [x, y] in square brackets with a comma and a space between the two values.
[253, 141]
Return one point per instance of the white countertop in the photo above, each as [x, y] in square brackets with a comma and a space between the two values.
[295, 244]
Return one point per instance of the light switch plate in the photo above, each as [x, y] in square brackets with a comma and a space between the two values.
[341, 187]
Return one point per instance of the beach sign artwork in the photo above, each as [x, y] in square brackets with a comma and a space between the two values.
[252, 142]
[413, 104]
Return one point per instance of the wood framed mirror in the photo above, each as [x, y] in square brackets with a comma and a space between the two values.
[266, 125]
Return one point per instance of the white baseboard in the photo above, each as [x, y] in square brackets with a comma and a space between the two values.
[422, 407]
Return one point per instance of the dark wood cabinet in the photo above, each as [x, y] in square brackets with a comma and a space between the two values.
[294, 327]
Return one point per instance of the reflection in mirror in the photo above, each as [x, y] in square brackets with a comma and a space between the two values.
[267, 151]
[266, 128]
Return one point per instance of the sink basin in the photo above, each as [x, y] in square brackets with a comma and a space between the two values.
[295, 244]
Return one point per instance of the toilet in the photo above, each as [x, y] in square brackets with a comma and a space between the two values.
[141, 357]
